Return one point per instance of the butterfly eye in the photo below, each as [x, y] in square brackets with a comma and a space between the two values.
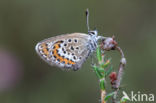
[92, 32]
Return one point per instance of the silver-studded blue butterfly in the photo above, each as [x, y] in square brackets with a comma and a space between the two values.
[68, 50]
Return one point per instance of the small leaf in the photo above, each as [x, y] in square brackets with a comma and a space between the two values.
[98, 73]
[108, 96]
[102, 84]
[98, 53]
[108, 71]
[105, 65]
[101, 70]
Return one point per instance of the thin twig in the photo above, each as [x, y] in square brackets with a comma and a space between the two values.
[120, 74]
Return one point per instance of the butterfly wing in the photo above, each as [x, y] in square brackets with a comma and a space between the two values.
[65, 51]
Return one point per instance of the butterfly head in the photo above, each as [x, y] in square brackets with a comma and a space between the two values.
[93, 32]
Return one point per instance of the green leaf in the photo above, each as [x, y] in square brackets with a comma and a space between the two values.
[108, 71]
[106, 64]
[101, 70]
[102, 84]
[98, 53]
[108, 96]
[98, 73]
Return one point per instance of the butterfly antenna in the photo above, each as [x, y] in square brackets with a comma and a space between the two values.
[87, 17]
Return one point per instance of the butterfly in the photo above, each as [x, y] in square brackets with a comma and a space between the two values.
[68, 51]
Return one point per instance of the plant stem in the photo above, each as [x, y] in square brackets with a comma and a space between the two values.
[103, 91]
[120, 74]
[103, 95]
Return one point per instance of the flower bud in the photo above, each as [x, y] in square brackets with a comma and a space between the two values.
[113, 77]
[109, 43]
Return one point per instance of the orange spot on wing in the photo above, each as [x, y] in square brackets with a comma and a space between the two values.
[71, 62]
[59, 57]
[66, 61]
[45, 51]
[55, 52]
[56, 46]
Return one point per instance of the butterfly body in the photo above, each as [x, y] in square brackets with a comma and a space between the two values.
[67, 50]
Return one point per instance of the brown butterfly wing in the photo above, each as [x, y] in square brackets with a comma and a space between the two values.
[65, 51]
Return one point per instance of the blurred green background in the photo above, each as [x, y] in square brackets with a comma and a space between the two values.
[25, 78]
